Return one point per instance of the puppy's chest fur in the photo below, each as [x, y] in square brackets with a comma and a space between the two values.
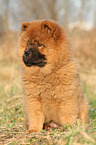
[42, 87]
[53, 87]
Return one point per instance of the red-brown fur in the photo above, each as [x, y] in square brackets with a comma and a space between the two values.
[53, 92]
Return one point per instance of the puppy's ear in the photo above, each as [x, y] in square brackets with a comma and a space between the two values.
[47, 26]
[24, 26]
[51, 27]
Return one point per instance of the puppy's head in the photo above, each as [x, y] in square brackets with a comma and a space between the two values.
[41, 45]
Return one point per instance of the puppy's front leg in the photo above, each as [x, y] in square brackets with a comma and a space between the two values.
[68, 113]
[34, 115]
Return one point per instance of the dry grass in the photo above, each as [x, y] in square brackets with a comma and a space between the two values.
[12, 130]
[84, 44]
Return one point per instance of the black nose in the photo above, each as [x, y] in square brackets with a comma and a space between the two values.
[26, 52]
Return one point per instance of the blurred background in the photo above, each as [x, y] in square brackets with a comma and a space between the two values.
[77, 16]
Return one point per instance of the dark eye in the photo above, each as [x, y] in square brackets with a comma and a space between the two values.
[40, 45]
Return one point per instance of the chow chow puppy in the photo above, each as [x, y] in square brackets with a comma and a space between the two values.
[50, 77]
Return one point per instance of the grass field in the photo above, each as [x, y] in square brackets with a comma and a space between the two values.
[12, 130]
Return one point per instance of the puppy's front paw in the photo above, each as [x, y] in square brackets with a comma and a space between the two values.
[33, 130]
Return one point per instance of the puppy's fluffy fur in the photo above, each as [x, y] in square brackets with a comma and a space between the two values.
[50, 77]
